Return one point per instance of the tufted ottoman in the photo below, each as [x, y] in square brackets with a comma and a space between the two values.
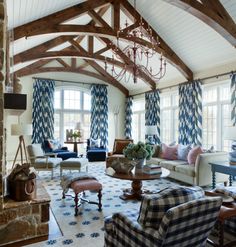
[73, 164]
[82, 185]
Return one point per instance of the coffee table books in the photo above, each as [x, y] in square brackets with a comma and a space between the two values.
[152, 169]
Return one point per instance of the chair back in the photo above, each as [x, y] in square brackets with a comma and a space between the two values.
[34, 150]
[120, 144]
[189, 224]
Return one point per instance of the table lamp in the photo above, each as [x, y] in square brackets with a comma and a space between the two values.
[230, 134]
[151, 131]
[21, 130]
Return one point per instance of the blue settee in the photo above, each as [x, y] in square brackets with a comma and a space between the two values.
[62, 152]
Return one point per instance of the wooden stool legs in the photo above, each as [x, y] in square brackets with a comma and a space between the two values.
[76, 200]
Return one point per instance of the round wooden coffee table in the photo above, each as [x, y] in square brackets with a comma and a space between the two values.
[136, 191]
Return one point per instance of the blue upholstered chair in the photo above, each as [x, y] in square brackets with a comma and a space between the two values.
[53, 146]
[179, 216]
[95, 152]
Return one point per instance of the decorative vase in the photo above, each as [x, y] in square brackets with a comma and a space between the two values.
[139, 165]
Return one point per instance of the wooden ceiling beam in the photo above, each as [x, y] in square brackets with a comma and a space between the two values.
[163, 48]
[62, 62]
[212, 13]
[42, 48]
[58, 17]
[26, 71]
[102, 71]
[116, 16]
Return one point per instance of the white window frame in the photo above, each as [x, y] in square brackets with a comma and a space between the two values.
[63, 111]
[219, 118]
[139, 113]
[172, 109]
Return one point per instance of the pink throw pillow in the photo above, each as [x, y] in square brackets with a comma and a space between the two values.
[193, 153]
[169, 152]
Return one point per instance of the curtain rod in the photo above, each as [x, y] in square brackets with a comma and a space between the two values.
[202, 79]
[76, 82]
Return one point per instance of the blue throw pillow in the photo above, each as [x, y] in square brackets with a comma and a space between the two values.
[182, 152]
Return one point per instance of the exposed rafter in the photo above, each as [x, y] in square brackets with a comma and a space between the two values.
[211, 12]
[46, 25]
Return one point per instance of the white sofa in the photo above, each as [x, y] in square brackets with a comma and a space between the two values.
[198, 174]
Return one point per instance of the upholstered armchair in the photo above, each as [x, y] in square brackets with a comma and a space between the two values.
[117, 152]
[41, 161]
[178, 216]
[95, 152]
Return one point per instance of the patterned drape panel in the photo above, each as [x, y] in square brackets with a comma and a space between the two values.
[99, 114]
[152, 111]
[128, 117]
[233, 99]
[43, 110]
[190, 113]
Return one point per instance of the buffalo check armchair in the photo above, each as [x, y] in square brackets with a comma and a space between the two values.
[178, 216]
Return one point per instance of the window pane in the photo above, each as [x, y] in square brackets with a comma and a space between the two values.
[225, 92]
[166, 126]
[57, 99]
[210, 95]
[135, 127]
[56, 126]
[175, 100]
[86, 127]
[87, 101]
[226, 122]
[166, 101]
[138, 105]
[72, 99]
[142, 127]
[70, 120]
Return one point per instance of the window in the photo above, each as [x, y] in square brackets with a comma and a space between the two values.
[169, 116]
[138, 120]
[71, 106]
[216, 115]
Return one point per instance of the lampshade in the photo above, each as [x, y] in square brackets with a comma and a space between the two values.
[230, 133]
[151, 130]
[21, 129]
[78, 126]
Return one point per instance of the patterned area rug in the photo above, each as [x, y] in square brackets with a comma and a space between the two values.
[87, 229]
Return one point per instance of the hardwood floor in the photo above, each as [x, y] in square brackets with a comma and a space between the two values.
[54, 232]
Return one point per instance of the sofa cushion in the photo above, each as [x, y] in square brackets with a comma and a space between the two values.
[193, 153]
[168, 152]
[186, 169]
[95, 143]
[171, 164]
[153, 208]
[183, 151]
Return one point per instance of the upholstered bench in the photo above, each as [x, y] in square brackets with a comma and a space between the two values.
[73, 164]
[84, 182]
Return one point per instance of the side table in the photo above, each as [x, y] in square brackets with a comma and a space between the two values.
[227, 211]
[222, 167]
[75, 149]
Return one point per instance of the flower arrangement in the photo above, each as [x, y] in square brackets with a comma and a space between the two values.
[76, 134]
[138, 151]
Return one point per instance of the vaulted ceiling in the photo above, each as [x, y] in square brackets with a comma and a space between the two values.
[196, 36]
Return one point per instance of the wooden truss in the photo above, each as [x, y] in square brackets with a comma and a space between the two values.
[106, 33]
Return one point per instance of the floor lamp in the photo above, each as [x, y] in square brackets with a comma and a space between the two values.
[21, 130]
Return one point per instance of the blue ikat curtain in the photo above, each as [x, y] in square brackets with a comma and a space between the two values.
[43, 110]
[99, 114]
[190, 113]
[128, 117]
[233, 98]
[152, 111]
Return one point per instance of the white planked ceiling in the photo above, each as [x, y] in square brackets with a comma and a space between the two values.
[198, 45]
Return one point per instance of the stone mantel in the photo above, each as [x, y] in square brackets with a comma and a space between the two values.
[22, 220]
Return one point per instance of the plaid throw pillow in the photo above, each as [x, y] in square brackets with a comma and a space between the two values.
[153, 208]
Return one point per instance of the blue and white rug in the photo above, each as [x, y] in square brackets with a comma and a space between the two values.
[87, 229]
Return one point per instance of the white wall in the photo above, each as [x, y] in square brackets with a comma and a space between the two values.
[115, 99]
